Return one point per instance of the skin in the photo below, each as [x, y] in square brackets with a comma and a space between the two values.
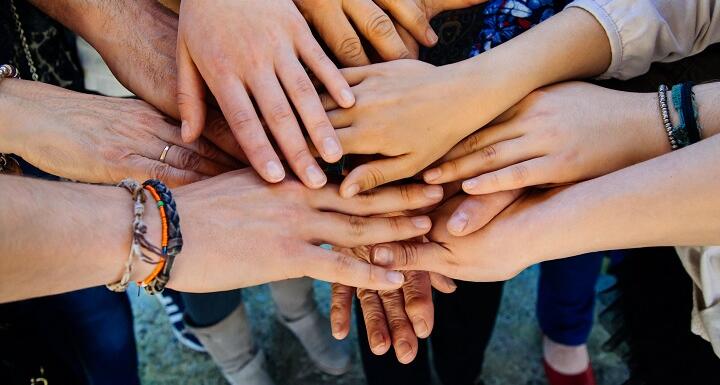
[639, 206]
[259, 59]
[445, 100]
[274, 244]
[99, 139]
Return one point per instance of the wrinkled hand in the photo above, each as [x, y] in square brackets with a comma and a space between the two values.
[253, 49]
[392, 317]
[240, 231]
[405, 112]
[99, 139]
[564, 133]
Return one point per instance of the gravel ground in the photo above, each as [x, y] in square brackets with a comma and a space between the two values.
[513, 357]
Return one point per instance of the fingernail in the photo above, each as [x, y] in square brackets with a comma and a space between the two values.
[383, 256]
[458, 222]
[433, 192]
[377, 341]
[347, 97]
[336, 332]
[432, 174]
[275, 171]
[395, 277]
[421, 328]
[184, 130]
[423, 223]
[316, 176]
[470, 184]
[431, 36]
[403, 349]
[352, 190]
[331, 146]
[453, 285]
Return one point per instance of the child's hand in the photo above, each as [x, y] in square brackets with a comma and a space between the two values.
[564, 133]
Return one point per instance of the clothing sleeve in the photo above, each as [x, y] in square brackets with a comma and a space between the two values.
[642, 32]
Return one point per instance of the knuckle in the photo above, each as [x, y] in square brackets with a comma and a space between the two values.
[351, 49]
[160, 171]
[300, 155]
[397, 324]
[189, 160]
[373, 177]
[520, 173]
[280, 112]
[379, 25]
[343, 264]
[241, 119]
[409, 254]
[488, 153]
[303, 85]
[357, 225]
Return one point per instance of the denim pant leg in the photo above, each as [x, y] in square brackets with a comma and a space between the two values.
[99, 324]
[566, 297]
[203, 310]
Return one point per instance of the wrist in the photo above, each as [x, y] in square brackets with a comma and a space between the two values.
[13, 115]
[647, 137]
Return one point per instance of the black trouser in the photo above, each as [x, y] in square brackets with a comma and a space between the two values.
[464, 322]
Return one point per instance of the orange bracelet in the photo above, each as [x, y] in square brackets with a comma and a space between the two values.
[164, 243]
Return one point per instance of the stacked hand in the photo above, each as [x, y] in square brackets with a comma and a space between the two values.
[99, 139]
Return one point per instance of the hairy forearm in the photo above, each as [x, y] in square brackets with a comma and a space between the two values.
[668, 201]
[57, 237]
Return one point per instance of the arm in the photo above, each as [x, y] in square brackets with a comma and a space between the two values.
[567, 133]
[238, 231]
[669, 200]
[642, 32]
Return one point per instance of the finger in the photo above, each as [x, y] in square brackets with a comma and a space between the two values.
[141, 168]
[332, 266]
[379, 201]
[247, 129]
[352, 231]
[442, 283]
[529, 173]
[307, 103]
[378, 29]
[409, 41]
[205, 148]
[403, 336]
[190, 94]
[412, 18]
[189, 160]
[340, 310]
[355, 75]
[340, 118]
[355, 140]
[281, 120]
[418, 302]
[489, 158]
[218, 132]
[412, 256]
[477, 211]
[483, 138]
[376, 325]
[374, 174]
[339, 35]
[328, 102]
[320, 64]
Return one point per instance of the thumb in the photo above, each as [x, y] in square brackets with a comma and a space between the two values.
[190, 95]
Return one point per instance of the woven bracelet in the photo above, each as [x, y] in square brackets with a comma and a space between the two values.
[138, 197]
[172, 242]
[684, 103]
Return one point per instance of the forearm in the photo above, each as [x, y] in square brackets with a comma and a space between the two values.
[570, 45]
[137, 39]
[57, 237]
[668, 201]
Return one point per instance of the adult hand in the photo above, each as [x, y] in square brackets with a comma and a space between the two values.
[406, 110]
[500, 250]
[99, 139]
[241, 231]
[259, 56]
[559, 134]
[398, 317]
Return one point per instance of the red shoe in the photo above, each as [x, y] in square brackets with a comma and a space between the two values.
[556, 378]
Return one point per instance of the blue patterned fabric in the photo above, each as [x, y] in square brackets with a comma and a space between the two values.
[505, 19]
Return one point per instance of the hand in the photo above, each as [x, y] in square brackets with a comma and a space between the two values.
[399, 316]
[406, 111]
[99, 139]
[341, 23]
[506, 244]
[259, 56]
[564, 133]
[240, 231]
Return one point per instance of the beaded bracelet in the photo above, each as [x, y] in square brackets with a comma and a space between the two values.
[172, 241]
[665, 115]
[688, 130]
